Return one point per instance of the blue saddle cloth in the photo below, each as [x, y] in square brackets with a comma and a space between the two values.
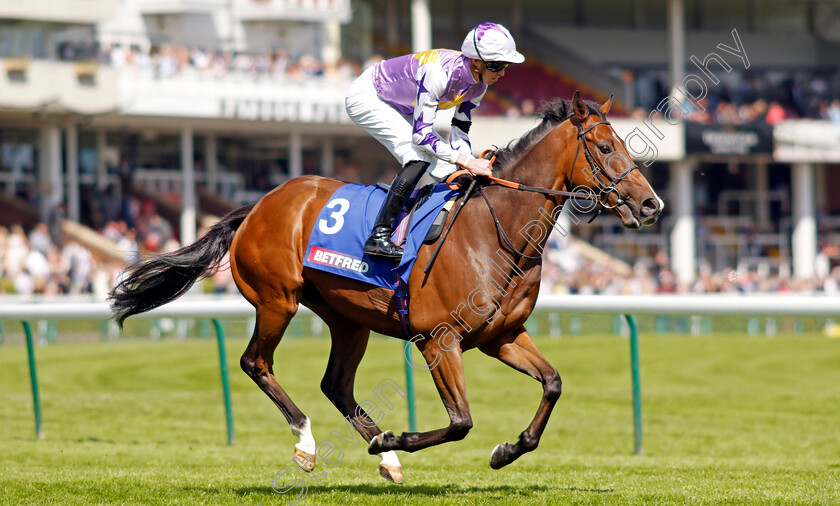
[344, 224]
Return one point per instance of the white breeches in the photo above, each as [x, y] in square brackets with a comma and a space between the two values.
[391, 128]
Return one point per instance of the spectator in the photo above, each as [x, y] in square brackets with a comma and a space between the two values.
[38, 268]
[279, 63]
[39, 238]
[528, 107]
[117, 56]
[16, 252]
[80, 265]
[834, 114]
[727, 114]
[775, 113]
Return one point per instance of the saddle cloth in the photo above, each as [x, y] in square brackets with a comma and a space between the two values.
[344, 224]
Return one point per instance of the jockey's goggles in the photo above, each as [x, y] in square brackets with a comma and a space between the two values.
[492, 66]
[496, 66]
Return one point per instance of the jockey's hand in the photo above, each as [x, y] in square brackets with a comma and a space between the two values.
[478, 166]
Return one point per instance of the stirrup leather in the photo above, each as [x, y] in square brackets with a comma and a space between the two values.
[379, 243]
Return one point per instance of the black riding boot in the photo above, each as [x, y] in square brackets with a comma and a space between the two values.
[379, 243]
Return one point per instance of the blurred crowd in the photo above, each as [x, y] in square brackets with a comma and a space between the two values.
[752, 98]
[757, 98]
[729, 113]
[567, 271]
[168, 61]
[759, 111]
[45, 261]
[137, 222]
[35, 263]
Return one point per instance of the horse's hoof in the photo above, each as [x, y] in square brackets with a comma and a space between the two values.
[500, 456]
[305, 461]
[378, 442]
[391, 473]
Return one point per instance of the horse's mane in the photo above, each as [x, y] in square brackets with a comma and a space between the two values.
[552, 114]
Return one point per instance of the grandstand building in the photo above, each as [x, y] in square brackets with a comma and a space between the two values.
[202, 105]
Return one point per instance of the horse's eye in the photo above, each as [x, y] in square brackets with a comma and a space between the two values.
[604, 148]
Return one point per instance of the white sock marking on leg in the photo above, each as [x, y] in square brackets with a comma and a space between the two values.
[390, 458]
[306, 443]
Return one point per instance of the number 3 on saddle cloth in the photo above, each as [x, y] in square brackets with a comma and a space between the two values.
[345, 222]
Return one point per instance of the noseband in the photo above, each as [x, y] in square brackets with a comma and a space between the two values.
[603, 190]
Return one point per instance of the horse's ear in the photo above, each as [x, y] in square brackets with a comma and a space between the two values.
[579, 106]
[605, 107]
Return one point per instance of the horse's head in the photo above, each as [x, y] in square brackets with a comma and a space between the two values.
[603, 166]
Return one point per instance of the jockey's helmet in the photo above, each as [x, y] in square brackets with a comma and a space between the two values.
[491, 42]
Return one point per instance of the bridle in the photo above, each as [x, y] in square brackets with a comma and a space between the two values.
[603, 190]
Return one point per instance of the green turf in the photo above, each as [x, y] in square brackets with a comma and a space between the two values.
[727, 420]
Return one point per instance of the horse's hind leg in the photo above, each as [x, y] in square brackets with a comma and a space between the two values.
[349, 342]
[517, 350]
[257, 362]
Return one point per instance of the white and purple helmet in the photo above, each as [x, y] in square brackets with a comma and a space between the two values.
[491, 42]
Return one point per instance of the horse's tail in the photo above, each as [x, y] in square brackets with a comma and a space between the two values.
[163, 278]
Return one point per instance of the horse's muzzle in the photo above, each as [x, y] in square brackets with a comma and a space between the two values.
[650, 211]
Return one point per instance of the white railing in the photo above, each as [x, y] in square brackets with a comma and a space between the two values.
[747, 305]
[215, 308]
[236, 306]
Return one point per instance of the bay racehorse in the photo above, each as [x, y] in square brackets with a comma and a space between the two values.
[478, 294]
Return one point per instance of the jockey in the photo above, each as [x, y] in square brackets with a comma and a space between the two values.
[396, 101]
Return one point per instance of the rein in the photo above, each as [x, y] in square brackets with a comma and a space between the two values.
[600, 199]
[519, 186]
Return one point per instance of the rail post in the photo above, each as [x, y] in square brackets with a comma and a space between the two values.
[33, 378]
[409, 388]
[637, 385]
[223, 366]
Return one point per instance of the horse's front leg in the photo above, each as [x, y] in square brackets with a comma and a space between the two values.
[447, 370]
[517, 350]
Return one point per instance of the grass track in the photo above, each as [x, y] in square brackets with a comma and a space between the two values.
[727, 419]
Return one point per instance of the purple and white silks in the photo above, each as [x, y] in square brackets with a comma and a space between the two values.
[419, 84]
